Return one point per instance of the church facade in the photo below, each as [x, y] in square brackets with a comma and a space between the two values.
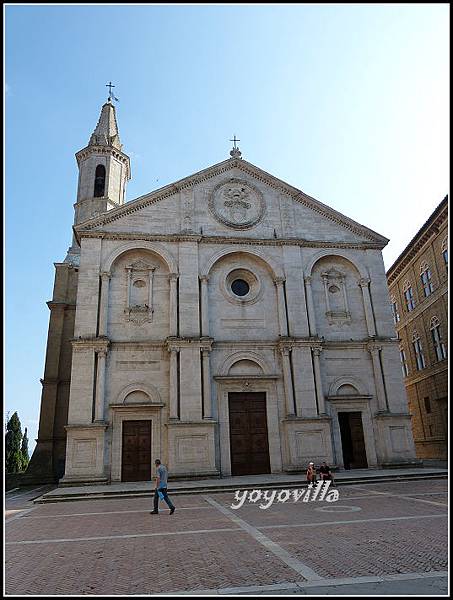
[227, 323]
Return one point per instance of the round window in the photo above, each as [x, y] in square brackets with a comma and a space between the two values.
[240, 287]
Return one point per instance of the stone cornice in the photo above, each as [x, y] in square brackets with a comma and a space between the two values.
[241, 378]
[135, 405]
[98, 344]
[87, 426]
[118, 154]
[97, 199]
[180, 237]
[258, 174]
[134, 345]
[430, 371]
[409, 317]
[175, 343]
[53, 304]
[422, 237]
[349, 398]
[209, 343]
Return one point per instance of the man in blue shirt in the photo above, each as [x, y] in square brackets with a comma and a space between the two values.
[161, 487]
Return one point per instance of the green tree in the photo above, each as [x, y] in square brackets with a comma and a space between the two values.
[24, 451]
[13, 455]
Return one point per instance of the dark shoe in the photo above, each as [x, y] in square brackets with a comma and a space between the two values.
[172, 510]
[154, 512]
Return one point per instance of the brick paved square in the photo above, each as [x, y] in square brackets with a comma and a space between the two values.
[368, 548]
[371, 532]
[143, 565]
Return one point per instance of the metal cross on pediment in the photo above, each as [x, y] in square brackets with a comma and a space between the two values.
[235, 152]
[235, 140]
[111, 94]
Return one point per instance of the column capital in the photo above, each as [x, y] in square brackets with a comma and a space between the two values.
[204, 278]
[373, 347]
[106, 274]
[308, 279]
[286, 344]
[364, 282]
[173, 276]
[316, 350]
[279, 281]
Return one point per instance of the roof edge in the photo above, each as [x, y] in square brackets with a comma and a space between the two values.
[404, 256]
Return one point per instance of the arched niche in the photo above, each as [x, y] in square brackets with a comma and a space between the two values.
[245, 367]
[347, 386]
[333, 252]
[245, 361]
[138, 393]
[151, 248]
[274, 269]
[338, 298]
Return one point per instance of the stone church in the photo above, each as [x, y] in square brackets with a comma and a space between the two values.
[227, 323]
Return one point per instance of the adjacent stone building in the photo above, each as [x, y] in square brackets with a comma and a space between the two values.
[227, 323]
[418, 283]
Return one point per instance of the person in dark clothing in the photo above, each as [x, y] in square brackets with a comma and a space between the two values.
[161, 488]
[325, 472]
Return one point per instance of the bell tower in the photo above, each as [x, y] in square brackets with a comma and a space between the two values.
[104, 171]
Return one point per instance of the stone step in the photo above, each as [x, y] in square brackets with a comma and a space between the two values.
[222, 487]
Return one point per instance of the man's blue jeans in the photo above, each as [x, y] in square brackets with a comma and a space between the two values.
[166, 498]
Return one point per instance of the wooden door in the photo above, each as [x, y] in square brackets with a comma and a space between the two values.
[248, 433]
[136, 460]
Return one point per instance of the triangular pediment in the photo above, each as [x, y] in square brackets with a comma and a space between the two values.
[171, 209]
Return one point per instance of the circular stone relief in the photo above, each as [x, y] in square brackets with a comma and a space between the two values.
[237, 203]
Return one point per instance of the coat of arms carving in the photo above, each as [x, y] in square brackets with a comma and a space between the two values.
[237, 203]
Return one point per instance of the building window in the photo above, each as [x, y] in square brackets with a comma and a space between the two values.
[425, 275]
[427, 405]
[99, 182]
[419, 357]
[404, 366]
[445, 251]
[395, 313]
[409, 296]
[436, 334]
[240, 287]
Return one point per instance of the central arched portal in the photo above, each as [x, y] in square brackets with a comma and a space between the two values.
[249, 441]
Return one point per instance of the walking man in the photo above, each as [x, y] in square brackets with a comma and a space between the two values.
[161, 488]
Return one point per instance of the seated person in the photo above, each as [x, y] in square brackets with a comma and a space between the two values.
[325, 472]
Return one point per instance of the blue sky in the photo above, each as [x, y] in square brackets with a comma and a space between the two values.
[348, 103]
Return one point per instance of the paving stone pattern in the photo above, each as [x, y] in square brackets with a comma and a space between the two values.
[200, 548]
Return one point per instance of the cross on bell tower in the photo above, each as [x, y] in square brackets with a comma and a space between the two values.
[104, 170]
[111, 94]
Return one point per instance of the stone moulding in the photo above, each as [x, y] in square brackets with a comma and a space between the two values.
[349, 398]
[194, 237]
[246, 377]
